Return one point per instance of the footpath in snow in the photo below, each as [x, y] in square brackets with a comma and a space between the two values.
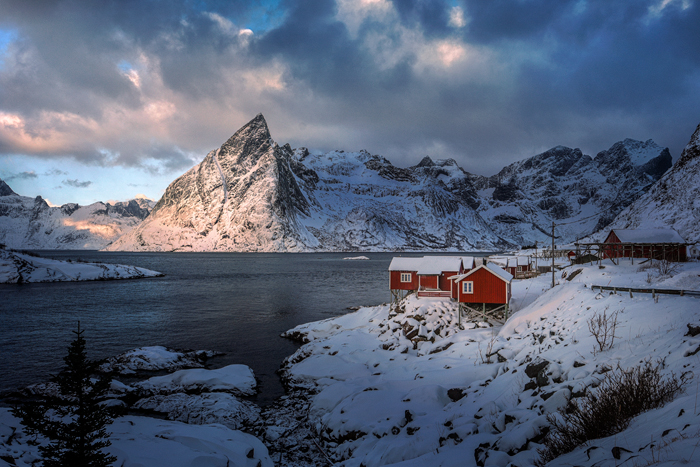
[16, 268]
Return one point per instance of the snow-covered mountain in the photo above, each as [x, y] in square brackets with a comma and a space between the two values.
[579, 193]
[31, 223]
[253, 195]
[672, 202]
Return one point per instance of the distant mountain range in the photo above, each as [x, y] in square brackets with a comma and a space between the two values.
[252, 194]
[31, 223]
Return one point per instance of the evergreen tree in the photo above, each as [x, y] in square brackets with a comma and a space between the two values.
[74, 420]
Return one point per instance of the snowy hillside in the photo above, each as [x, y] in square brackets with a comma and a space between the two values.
[31, 223]
[674, 201]
[19, 268]
[568, 187]
[254, 195]
[408, 388]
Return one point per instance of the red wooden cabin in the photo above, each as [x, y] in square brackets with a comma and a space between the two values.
[486, 284]
[518, 264]
[645, 243]
[403, 273]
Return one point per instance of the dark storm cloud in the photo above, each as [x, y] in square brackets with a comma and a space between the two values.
[77, 184]
[157, 84]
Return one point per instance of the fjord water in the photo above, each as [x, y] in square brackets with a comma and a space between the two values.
[237, 303]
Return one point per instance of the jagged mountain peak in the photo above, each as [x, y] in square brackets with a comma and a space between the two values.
[5, 189]
[251, 140]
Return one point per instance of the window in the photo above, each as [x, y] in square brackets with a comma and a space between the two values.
[405, 277]
[468, 287]
[520, 269]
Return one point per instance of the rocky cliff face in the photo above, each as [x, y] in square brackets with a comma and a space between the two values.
[31, 223]
[672, 202]
[579, 193]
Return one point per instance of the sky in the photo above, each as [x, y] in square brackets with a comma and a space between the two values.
[103, 101]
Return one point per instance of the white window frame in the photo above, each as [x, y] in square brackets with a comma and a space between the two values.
[406, 277]
[520, 269]
[468, 287]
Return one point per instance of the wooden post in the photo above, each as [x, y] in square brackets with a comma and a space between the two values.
[552, 254]
[483, 311]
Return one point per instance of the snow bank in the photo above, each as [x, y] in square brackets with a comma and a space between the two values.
[20, 268]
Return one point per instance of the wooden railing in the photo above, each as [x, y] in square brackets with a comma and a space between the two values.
[434, 293]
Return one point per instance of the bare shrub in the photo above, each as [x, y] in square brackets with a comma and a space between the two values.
[603, 327]
[621, 396]
[485, 357]
[650, 278]
[666, 268]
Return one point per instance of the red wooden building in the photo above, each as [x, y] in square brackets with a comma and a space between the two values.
[429, 274]
[403, 274]
[518, 264]
[645, 243]
[486, 284]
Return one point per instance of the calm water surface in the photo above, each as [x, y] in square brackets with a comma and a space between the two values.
[237, 303]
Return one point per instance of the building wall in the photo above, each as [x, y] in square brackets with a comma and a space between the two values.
[428, 282]
[396, 284]
[446, 284]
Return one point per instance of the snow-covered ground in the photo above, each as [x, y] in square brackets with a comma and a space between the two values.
[386, 394]
[405, 385]
[22, 268]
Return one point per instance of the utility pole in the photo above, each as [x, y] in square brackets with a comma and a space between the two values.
[552, 254]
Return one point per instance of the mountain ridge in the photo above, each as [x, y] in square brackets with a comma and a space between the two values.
[252, 194]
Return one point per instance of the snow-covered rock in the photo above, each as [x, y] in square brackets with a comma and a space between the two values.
[237, 379]
[155, 358]
[203, 409]
[673, 202]
[22, 268]
[31, 223]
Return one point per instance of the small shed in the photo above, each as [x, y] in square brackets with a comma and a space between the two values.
[403, 276]
[645, 243]
[518, 265]
[487, 286]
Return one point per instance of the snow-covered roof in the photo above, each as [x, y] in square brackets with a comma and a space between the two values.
[437, 264]
[405, 264]
[505, 275]
[510, 261]
[648, 236]
[431, 265]
[493, 267]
